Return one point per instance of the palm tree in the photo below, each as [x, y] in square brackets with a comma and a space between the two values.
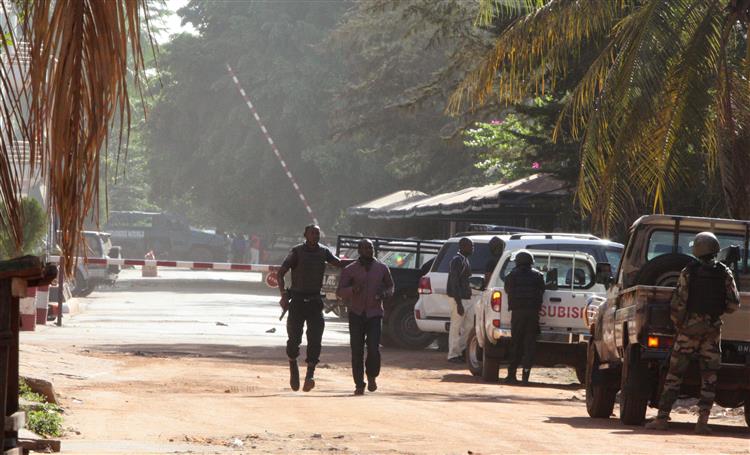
[63, 78]
[670, 80]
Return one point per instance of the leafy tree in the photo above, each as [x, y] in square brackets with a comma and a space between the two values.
[666, 87]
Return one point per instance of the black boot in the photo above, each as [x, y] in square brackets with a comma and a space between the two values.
[293, 375]
[511, 378]
[525, 375]
[309, 378]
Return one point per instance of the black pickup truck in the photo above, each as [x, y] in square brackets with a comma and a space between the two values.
[408, 260]
[168, 236]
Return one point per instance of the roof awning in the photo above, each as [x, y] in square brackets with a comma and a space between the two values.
[387, 201]
[476, 199]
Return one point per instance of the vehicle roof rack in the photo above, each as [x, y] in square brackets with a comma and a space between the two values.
[550, 235]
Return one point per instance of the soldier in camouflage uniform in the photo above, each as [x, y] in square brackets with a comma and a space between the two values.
[704, 292]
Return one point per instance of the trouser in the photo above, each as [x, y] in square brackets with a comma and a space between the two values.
[524, 327]
[364, 331]
[459, 328]
[305, 309]
[706, 346]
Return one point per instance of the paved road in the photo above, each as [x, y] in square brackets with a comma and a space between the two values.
[183, 306]
[145, 368]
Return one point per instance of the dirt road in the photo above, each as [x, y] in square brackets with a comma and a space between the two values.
[145, 395]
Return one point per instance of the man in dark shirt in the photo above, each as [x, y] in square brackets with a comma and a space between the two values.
[364, 284]
[525, 289]
[307, 261]
[496, 250]
[458, 289]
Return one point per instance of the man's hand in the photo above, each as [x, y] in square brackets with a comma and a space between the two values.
[459, 307]
[284, 302]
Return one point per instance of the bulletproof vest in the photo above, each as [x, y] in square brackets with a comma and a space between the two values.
[307, 276]
[527, 293]
[707, 292]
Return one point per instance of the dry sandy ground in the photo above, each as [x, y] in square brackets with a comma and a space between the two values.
[218, 399]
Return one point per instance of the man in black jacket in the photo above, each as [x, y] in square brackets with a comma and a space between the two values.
[307, 261]
[525, 289]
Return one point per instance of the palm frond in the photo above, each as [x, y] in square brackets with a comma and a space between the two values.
[536, 49]
[77, 87]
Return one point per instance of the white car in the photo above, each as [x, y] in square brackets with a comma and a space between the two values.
[433, 309]
[571, 283]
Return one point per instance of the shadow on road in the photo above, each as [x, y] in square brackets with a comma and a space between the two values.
[469, 379]
[674, 427]
[339, 356]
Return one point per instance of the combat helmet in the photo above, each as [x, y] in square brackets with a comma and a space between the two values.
[523, 257]
[705, 244]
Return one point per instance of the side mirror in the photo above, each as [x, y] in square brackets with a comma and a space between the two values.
[604, 273]
[476, 282]
[550, 282]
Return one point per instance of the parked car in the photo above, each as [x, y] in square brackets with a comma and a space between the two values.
[89, 276]
[432, 311]
[570, 282]
[405, 259]
[632, 332]
[168, 236]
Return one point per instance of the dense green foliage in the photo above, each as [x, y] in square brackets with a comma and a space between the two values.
[353, 94]
[662, 106]
[34, 224]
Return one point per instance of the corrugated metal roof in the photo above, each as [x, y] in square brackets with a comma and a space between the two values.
[474, 198]
[389, 200]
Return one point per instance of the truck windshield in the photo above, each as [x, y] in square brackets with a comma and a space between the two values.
[660, 242]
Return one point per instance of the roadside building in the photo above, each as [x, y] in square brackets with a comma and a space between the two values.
[540, 201]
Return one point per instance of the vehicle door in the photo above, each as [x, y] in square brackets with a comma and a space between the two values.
[563, 308]
[438, 303]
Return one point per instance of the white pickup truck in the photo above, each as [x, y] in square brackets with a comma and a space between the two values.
[571, 282]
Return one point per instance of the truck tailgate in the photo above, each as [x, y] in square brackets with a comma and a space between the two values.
[737, 325]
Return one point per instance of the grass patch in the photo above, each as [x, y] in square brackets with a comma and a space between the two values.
[44, 419]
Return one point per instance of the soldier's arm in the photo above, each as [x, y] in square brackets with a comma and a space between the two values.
[678, 304]
[289, 263]
[333, 259]
[733, 296]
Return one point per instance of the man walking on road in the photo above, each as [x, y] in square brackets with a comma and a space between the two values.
[525, 288]
[705, 291]
[459, 290]
[364, 284]
[307, 262]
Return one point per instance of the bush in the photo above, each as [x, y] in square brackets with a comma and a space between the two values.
[46, 419]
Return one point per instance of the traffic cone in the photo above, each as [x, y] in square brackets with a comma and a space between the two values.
[149, 270]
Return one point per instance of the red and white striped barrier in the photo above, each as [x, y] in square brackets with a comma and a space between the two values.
[273, 145]
[261, 268]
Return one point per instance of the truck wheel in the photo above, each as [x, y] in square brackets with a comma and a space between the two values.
[747, 412]
[81, 286]
[600, 399]
[634, 392]
[490, 368]
[474, 354]
[402, 327]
